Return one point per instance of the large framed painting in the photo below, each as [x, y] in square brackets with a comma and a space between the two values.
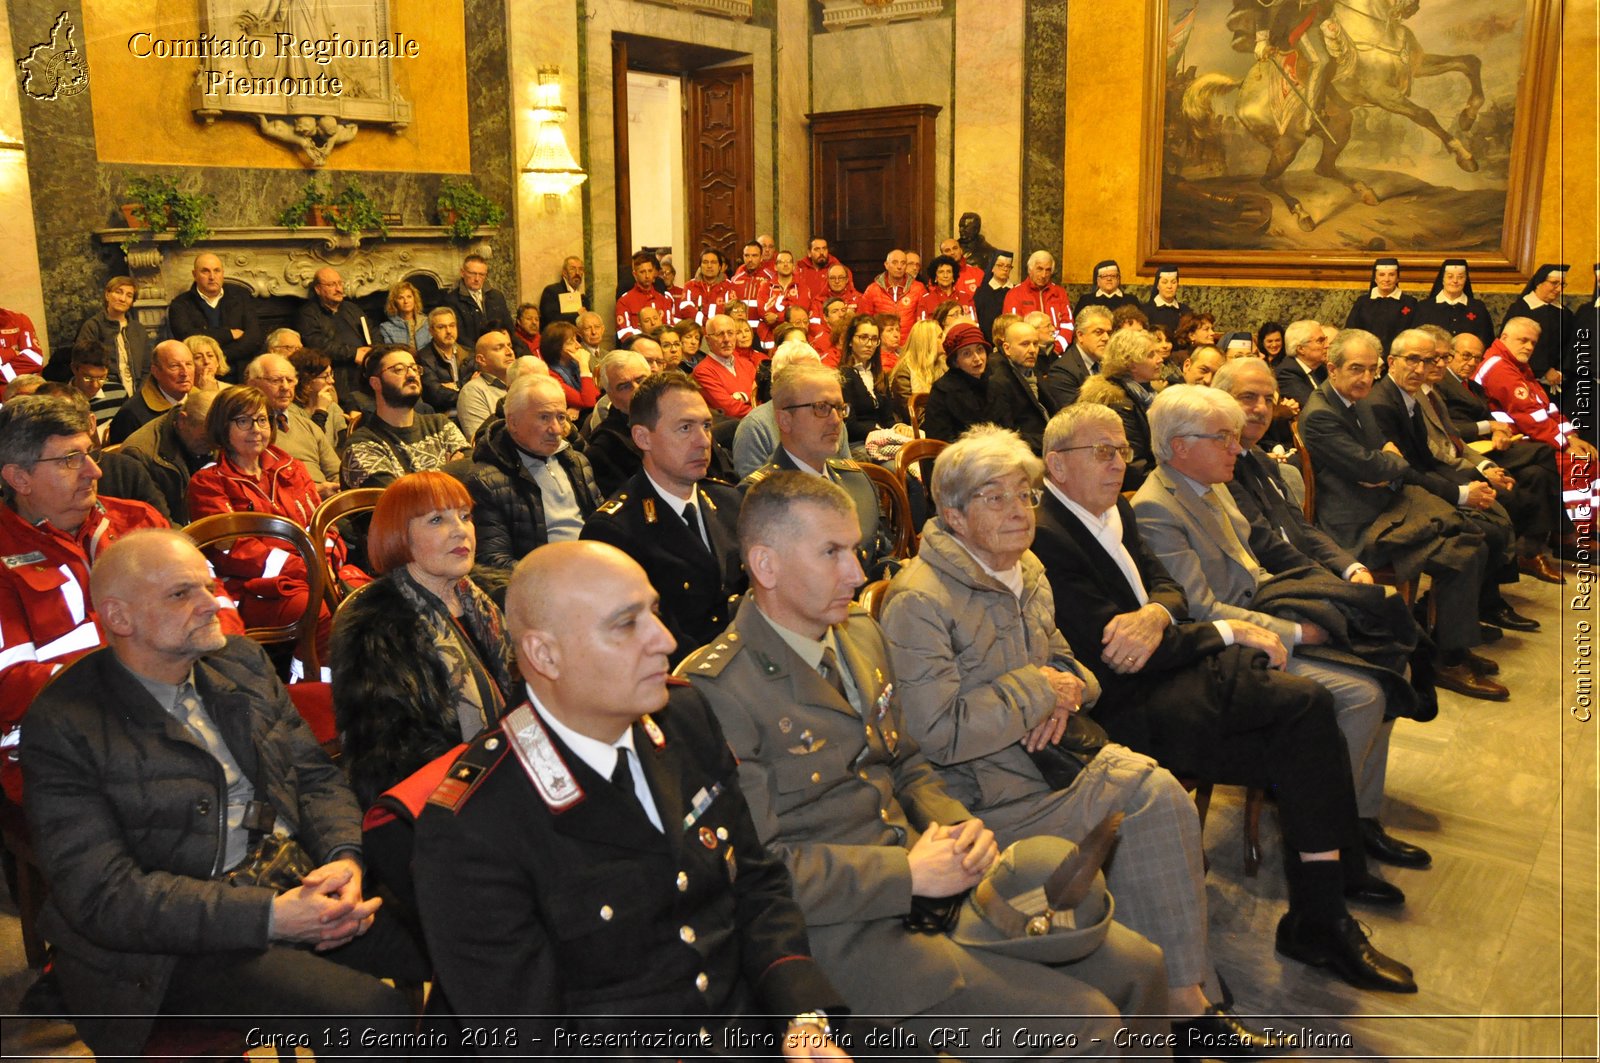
[1303, 138]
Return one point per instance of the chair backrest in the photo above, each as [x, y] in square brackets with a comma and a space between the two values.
[871, 596]
[919, 452]
[221, 528]
[918, 405]
[895, 505]
[1306, 472]
[351, 503]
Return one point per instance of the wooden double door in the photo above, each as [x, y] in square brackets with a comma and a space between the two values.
[872, 183]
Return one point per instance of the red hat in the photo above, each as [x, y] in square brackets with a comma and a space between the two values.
[963, 334]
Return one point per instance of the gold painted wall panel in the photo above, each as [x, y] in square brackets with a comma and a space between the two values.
[142, 107]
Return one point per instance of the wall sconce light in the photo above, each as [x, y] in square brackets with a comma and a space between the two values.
[555, 172]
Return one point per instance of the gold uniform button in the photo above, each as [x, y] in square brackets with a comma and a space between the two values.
[864, 776]
[685, 586]
[701, 982]
[687, 934]
[683, 882]
[722, 832]
[883, 814]
[816, 776]
[606, 913]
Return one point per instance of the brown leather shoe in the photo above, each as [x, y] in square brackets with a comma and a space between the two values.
[1539, 567]
[1480, 664]
[1461, 679]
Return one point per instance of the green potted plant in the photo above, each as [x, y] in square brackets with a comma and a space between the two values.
[307, 207]
[464, 208]
[354, 211]
[157, 204]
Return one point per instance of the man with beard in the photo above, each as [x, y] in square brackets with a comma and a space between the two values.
[568, 296]
[811, 272]
[396, 439]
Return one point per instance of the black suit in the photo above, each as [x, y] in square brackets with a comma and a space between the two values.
[569, 917]
[1466, 408]
[339, 334]
[1293, 381]
[1263, 497]
[1203, 709]
[1398, 522]
[188, 315]
[471, 321]
[1407, 430]
[1012, 405]
[695, 583]
[1065, 378]
[550, 304]
[611, 452]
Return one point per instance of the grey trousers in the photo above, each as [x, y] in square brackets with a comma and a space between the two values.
[1358, 704]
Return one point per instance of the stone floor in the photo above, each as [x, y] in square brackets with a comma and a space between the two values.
[1501, 931]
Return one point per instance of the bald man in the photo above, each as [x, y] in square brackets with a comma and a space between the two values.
[210, 308]
[298, 435]
[613, 847]
[155, 767]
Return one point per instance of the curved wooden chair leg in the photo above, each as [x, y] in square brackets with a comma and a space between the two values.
[1255, 800]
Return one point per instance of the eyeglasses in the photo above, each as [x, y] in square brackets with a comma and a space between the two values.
[1227, 437]
[1102, 451]
[821, 410]
[403, 368]
[71, 461]
[245, 423]
[1413, 359]
[1001, 499]
[278, 381]
[552, 418]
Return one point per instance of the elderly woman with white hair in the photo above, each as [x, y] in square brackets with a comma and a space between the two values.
[1130, 362]
[986, 682]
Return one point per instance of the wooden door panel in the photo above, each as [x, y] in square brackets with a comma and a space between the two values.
[872, 183]
[720, 160]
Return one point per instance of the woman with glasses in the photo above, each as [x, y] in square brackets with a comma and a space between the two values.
[315, 393]
[251, 475]
[1130, 363]
[863, 382]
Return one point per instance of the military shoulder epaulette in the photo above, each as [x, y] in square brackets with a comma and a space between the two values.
[711, 659]
[467, 771]
[761, 474]
[540, 759]
[613, 507]
[844, 463]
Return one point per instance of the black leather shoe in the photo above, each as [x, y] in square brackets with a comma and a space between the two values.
[1462, 680]
[1480, 664]
[1489, 633]
[1374, 892]
[1508, 618]
[1218, 1034]
[1383, 846]
[1342, 947]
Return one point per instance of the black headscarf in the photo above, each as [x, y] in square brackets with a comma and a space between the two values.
[1438, 279]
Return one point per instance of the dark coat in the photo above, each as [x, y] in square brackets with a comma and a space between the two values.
[188, 315]
[611, 452]
[698, 587]
[1293, 382]
[391, 692]
[101, 329]
[587, 899]
[472, 322]
[1012, 405]
[125, 476]
[339, 334]
[436, 375]
[550, 304]
[956, 402]
[1118, 395]
[1409, 432]
[869, 410]
[1263, 497]
[1065, 379]
[506, 503]
[1346, 451]
[157, 445]
[1384, 318]
[124, 807]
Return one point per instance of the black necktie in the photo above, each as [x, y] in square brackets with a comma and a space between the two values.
[691, 517]
[622, 779]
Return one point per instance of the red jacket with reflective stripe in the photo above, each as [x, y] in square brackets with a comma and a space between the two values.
[1052, 299]
[1515, 395]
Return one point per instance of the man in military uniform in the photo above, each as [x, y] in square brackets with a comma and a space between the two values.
[802, 685]
[546, 878]
[808, 404]
[679, 526]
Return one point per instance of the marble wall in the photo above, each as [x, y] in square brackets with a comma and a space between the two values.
[76, 193]
[892, 65]
[1045, 175]
[987, 117]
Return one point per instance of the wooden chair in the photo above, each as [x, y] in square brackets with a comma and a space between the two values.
[221, 528]
[917, 405]
[1255, 800]
[921, 453]
[334, 508]
[895, 505]
[871, 596]
[31, 888]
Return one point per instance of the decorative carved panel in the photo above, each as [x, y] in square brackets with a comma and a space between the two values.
[720, 160]
[843, 14]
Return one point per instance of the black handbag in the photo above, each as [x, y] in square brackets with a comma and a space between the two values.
[275, 861]
[1062, 763]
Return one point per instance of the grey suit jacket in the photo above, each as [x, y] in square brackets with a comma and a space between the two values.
[840, 798]
[1184, 534]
